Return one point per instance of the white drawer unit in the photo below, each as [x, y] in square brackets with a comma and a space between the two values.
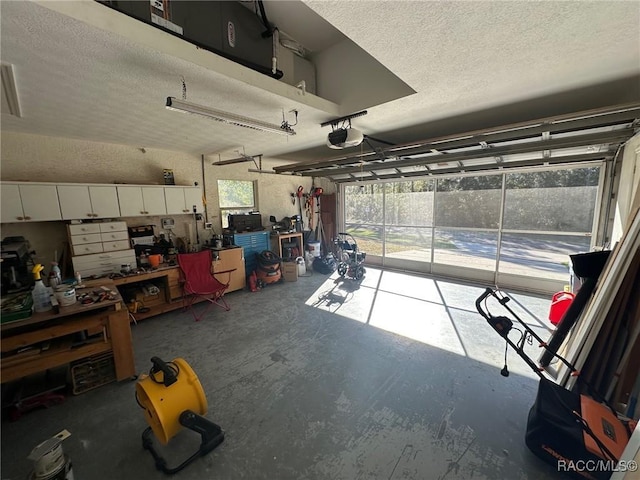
[87, 248]
[113, 226]
[103, 263]
[117, 245]
[84, 228]
[112, 236]
[91, 238]
[86, 238]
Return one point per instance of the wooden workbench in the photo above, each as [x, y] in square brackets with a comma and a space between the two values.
[48, 340]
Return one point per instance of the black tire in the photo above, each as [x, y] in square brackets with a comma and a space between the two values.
[359, 274]
[342, 269]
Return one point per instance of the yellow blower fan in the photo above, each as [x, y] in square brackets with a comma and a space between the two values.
[172, 397]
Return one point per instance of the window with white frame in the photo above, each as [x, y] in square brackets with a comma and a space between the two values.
[235, 197]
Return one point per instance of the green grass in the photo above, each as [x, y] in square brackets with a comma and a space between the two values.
[369, 241]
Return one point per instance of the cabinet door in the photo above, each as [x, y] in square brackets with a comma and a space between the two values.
[229, 259]
[131, 201]
[154, 203]
[193, 196]
[75, 202]
[40, 202]
[11, 205]
[104, 202]
[174, 197]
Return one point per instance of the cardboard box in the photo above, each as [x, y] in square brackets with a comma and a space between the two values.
[147, 300]
[290, 271]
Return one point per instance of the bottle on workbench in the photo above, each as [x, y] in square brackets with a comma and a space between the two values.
[40, 293]
[55, 277]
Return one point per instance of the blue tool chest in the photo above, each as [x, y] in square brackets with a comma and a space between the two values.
[252, 243]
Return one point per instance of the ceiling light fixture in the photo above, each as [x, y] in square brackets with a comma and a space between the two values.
[230, 118]
[10, 101]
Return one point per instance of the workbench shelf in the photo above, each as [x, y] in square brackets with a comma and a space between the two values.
[52, 339]
[55, 356]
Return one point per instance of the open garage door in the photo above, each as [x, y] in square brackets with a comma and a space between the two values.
[513, 229]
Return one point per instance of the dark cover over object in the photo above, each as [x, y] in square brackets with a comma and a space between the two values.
[325, 265]
[554, 433]
[590, 264]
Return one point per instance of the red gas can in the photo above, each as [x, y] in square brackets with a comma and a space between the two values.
[559, 304]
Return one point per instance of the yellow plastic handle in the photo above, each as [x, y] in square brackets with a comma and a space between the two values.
[36, 271]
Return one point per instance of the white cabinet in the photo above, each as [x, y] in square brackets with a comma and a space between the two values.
[180, 200]
[136, 200]
[193, 196]
[38, 202]
[29, 202]
[87, 201]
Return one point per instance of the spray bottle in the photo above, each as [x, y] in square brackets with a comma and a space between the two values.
[40, 293]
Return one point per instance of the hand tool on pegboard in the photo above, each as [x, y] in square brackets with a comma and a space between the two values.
[300, 195]
[316, 193]
[309, 209]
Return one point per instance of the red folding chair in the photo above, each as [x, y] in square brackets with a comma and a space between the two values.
[198, 282]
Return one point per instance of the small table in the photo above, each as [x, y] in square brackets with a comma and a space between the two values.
[295, 237]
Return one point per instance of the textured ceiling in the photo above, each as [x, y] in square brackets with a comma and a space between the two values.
[78, 81]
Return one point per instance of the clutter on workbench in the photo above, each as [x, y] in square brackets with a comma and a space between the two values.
[16, 307]
[16, 262]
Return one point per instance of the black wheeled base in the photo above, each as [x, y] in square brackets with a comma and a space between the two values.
[212, 436]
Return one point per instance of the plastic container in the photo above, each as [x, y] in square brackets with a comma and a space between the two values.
[55, 277]
[559, 304]
[302, 269]
[65, 294]
[40, 293]
[314, 248]
[154, 260]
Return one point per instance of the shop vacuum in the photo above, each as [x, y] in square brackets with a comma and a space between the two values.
[573, 432]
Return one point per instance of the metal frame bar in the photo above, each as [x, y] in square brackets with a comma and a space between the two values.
[616, 136]
[618, 115]
[497, 169]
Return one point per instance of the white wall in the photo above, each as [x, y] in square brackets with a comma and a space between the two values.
[343, 75]
[26, 157]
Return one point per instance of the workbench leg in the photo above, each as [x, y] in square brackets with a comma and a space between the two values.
[121, 344]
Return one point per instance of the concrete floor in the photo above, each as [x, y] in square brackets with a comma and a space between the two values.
[394, 378]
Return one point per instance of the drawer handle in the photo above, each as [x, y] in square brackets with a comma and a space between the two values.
[27, 218]
[20, 218]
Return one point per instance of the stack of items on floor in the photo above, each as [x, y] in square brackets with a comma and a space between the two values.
[139, 298]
